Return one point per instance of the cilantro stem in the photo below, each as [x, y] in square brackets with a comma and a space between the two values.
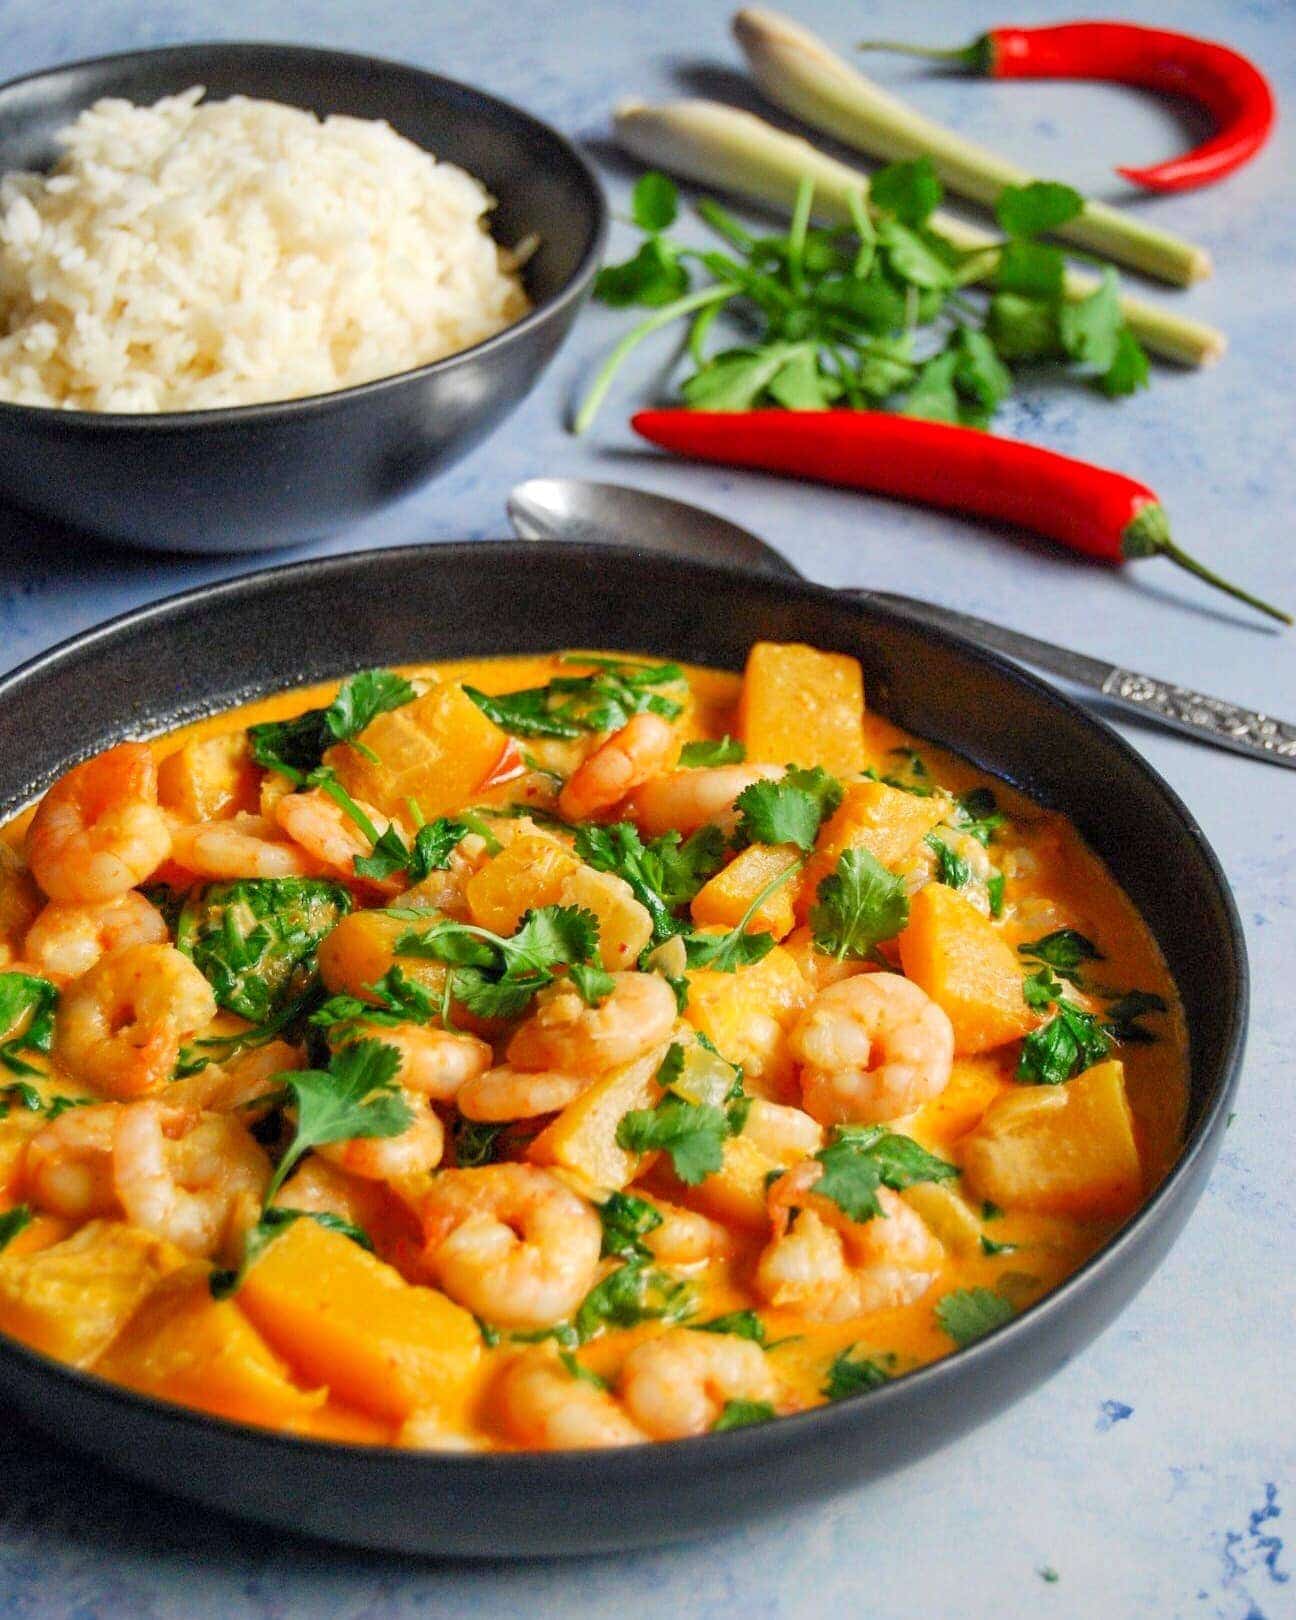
[631, 341]
[329, 783]
[797, 233]
[864, 230]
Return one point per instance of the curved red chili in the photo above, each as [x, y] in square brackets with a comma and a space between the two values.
[1088, 509]
[1221, 80]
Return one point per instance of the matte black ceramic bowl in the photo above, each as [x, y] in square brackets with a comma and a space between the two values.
[258, 476]
[213, 647]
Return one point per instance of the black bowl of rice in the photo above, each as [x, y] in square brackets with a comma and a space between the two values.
[251, 293]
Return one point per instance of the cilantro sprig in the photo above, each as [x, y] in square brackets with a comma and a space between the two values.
[570, 705]
[703, 1107]
[1073, 1040]
[861, 1158]
[859, 905]
[296, 747]
[789, 810]
[664, 873]
[877, 314]
[853, 1374]
[497, 976]
[969, 1314]
[27, 1007]
[727, 952]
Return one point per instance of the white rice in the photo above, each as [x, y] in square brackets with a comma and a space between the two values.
[186, 256]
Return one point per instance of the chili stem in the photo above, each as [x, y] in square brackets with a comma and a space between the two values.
[1148, 535]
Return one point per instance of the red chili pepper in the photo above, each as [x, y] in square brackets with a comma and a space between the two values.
[1089, 509]
[1222, 81]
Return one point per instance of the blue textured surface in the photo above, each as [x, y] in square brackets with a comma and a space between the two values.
[1155, 1475]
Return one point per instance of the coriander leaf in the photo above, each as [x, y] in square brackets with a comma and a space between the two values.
[990, 1248]
[594, 983]
[433, 845]
[654, 202]
[27, 1006]
[901, 1161]
[356, 1095]
[586, 1375]
[362, 699]
[1032, 270]
[933, 396]
[790, 810]
[970, 1313]
[569, 705]
[551, 936]
[627, 1221]
[474, 1142]
[850, 1374]
[1129, 370]
[975, 814]
[1023, 328]
[736, 379]
[1064, 950]
[693, 1134]
[1123, 1014]
[741, 1415]
[653, 277]
[389, 854]
[951, 868]
[995, 893]
[12, 1222]
[1071, 1042]
[978, 371]
[1090, 328]
[801, 384]
[1037, 207]
[726, 953]
[295, 747]
[858, 905]
[635, 1292]
[858, 1160]
[742, 1324]
[664, 874]
[726, 750]
[911, 257]
[910, 191]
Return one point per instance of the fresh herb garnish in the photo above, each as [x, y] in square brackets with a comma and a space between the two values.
[664, 874]
[1065, 950]
[951, 868]
[788, 811]
[474, 1142]
[975, 814]
[496, 976]
[727, 952]
[635, 1292]
[571, 704]
[859, 905]
[861, 1158]
[627, 1220]
[726, 750]
[27, 1005]
[742, 1324]
[1122, 1022]
[742, 1415]
[295, 747]
[1072, 1040]
[852, 1374]
[586, 1375]
[990, 1248]
[970, 1313]
[703, 1107]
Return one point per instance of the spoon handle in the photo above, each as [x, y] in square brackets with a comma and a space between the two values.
[1197, 715]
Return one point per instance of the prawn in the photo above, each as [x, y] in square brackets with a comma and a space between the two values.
[679, 1383]
[436, 1063]
[506, 1093]
[221, 1088]
[828, 1267]
[324, 830]
[99, 830]
[546, 1408]
[415, 1151]
[119, 1027]
[566, 1034]
[686, 1238]
[243, 846]
[683, 801]
[68, 939]
[871, 1048]
[643, 748]
[511, 1242]
[67, 1166]
[195, 1179]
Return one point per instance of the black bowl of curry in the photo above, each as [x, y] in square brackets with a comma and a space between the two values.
[470, 1094]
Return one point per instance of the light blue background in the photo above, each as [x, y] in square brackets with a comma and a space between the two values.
[1156, 1474]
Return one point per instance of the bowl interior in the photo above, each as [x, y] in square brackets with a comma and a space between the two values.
[534, 174]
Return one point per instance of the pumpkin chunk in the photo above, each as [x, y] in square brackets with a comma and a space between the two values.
[438, 751]
[342, 1317]
[526, 874]
[70, 1299]
[1060, 1150]
[804, 707]
[724, 899]
[183, 1345]
[957, 956]
[582, 1138]
[746, 1015]
[872, 816]
[210, 777]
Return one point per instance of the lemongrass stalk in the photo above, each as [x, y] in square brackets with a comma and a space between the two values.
[735, 151]
[799, 73]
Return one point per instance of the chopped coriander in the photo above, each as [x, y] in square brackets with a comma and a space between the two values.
[788, 811]
[1123, 1016]
[693, 1134]
[860, 1159]
[586, 1375]
[664, 874]
[969, 1313]
[474, 1142]
[490, 1335]
[990, 1211]
[27, 1005]
[859, 905]
[571, 704]
[1065, 950]
[497, 976]
[951, 868]
[635, 1292]
[742, 1324]
[995, 893]
[726, 750]
[1072, 1040]
[990, 1248]
[975, 814]
[627, 1220]
[725, 953]
[742, 1415]
[295, 747]
[851, 1374]
[594, 983]
[12, 1222]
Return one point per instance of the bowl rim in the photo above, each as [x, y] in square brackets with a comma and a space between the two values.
[750, 1443]
[501, 113]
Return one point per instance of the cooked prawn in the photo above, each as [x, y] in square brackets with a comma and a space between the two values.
[511, 1242]
[68, 939]
[20, 904]
[414, 1152]
[436, 1063]
[871, 1048]
[506, 1093]
[119, 1026]
[565, 1034]
[828, 1267]
[98, 831]
[543, 1406]
[324, 830]
[195, 1179]
[686, 1238]
[242, 846]
[783, 1133]
[683, 801]
[67, 1166]
[643, 748]
[221, 1088]
[679, 1383]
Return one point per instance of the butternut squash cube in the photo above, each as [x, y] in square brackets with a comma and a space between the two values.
[946, 1214]
[72, 1298]
[746, 1015]
[582, 1138]
[208, 778]
[957, 956]
[17, 1128]
[437, 750]
[343, 1318]
[1059, 1150]
[527, 873]
[872, 816]
[725, 898]
[802, 706]
[182, 1345]
[736, 1191]
[624, 924]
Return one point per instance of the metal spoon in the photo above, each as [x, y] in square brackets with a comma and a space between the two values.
[578, 509]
